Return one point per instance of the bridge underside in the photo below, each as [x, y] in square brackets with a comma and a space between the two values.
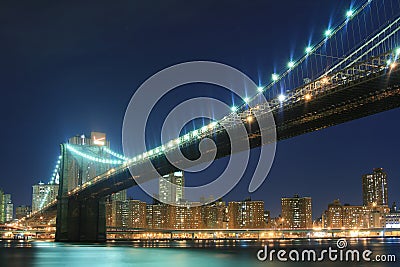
[81, 216]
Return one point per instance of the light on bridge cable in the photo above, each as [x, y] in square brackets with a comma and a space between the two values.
[290, 64]
[260, 88]
[246, 100]
[349, 13]
[275, 77]
[281, 97]
[233, 108]
[308, 49]
[328, 32]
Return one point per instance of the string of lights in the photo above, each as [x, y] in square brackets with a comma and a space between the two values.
[93, 158]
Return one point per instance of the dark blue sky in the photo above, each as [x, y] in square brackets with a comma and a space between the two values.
[71, 67]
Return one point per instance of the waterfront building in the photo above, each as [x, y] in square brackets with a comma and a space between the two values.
[246, 214]
[297, 212]
[185, 217]
[375, 188]
[214, 215]
[334, 215]
[392, 220]
[352, 217]
[126, 214]
[157, 216]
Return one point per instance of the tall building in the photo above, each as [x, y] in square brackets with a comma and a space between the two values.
[171, 188]
[6, 208]
[43, 194]
[126, 214]
[375, 188]
[297, 212]
[9, 208]
[22, 211]
[2, 207]
[246, 214]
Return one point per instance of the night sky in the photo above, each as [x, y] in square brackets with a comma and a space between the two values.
[71, 67]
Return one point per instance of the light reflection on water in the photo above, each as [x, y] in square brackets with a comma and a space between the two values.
[175, 253]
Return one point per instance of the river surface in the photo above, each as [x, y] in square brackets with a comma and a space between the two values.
[186, 253]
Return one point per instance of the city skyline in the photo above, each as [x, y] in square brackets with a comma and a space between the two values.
[43, 194]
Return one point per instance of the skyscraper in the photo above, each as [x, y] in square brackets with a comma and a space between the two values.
[43, 194]
[6, 208]
[297, 212]
[9, 208]
[171, 188]
[375, 189]
[2, 207]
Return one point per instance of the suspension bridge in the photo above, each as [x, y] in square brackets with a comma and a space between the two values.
[351, 72]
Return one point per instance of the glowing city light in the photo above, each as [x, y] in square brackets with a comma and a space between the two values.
[92, 158]
[325, 80]
[249, 118]
[233, 108]
[307, 97]
[275, 77]
[308, 49]
[281, 98]
[349, 13]
[328, 32]
[290, 64]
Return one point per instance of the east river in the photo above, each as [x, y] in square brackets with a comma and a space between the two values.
[228, 253]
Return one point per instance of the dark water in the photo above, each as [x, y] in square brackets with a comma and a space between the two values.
[180, 253]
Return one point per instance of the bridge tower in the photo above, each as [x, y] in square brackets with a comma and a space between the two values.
[81, 220]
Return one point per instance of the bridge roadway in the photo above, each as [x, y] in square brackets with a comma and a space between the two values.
[371, 94]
